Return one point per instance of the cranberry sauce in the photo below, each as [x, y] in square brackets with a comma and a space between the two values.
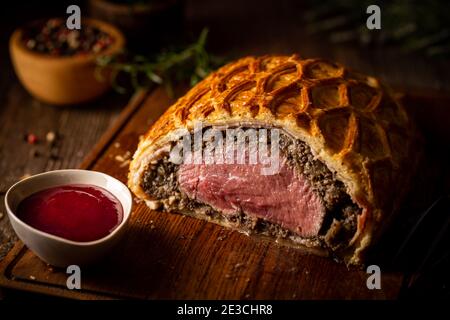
[78, 212]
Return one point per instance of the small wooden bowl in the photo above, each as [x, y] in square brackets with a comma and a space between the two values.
[62, 80]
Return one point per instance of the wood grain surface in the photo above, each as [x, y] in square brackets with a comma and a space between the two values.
[168, 256]
[171, 256]
[236, 29]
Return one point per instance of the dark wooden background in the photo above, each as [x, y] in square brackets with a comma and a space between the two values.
[237, 28]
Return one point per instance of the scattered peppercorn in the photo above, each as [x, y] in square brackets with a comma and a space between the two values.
[31, 138]
[35, 153]
[50, 137]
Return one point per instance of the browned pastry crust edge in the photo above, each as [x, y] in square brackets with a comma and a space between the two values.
[352, 123]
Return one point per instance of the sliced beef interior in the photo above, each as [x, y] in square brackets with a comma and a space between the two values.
[303, 201]
[285, 198]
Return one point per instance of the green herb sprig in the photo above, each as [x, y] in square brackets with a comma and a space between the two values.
[192, 63]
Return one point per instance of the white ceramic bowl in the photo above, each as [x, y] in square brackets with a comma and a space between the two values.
[55, 250]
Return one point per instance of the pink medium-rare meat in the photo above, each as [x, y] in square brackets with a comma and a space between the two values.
[304, 203]
[285, 198]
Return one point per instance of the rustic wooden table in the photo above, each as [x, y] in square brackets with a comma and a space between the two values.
[235, 30]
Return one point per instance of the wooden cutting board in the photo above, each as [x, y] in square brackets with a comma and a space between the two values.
[168, 256]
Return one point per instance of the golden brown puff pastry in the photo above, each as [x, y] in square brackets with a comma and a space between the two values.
[347, 126]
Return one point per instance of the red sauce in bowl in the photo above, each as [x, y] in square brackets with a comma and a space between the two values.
[77, 212]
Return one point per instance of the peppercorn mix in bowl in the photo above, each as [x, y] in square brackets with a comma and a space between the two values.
[57, 65]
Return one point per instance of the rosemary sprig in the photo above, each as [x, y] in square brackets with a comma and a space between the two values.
[168, 68]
